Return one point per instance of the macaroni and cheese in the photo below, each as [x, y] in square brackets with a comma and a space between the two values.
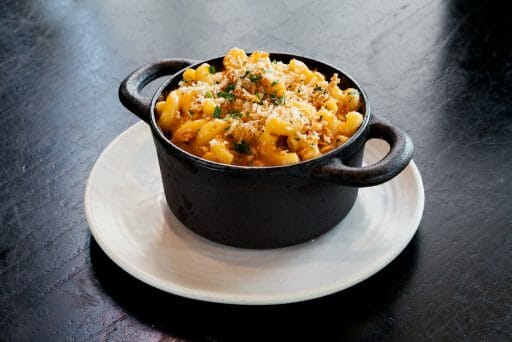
[258, 112]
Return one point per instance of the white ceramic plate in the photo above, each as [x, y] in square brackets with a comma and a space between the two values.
[130, 220]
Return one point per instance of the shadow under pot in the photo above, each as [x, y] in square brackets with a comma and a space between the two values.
[264, 207]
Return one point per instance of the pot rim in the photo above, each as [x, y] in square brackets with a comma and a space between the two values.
[158, 133]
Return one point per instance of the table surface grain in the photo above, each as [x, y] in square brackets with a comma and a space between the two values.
[442, 70]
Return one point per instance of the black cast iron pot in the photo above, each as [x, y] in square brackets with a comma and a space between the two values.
[264, 207]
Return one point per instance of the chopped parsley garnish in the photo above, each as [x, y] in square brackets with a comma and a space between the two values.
[208, 94]
[298, 90]
[274, 83]
[255, 78]
[216, 113]
[227, 96]
[246, 73]
[212, 69]
[321, 117]
[318, 88]
[279, 100]
[242, 147]
[230, 87]
[236, 114]
[191, 113]
[259, 98]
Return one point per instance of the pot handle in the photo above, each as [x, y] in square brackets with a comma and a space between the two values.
[398, 157]
[130, 89]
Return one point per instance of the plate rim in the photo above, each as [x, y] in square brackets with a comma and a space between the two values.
[250, 299]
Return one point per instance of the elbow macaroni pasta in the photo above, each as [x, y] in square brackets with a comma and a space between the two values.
[258, 112]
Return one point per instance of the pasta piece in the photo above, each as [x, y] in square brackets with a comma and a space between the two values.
[331, 105]
[331, 121]
[189, 75]
[220, 152]
[159, 107]
[280, 89]
[259, 56]
[235, 59]
[294, 143]
[271, 154]
[336, 93]
[279, 126]
[169, 111]
[210, 130]
[209, 107]
[354, 120]
[188, 131]
[340, 139]
[202, 72]
[186, 99]
[309, 152]
[299, 67]
[351, 99]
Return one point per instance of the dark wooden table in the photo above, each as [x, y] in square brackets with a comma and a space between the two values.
[442, 70]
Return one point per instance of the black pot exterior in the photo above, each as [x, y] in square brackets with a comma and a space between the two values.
[264, 207]
[253, 209]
